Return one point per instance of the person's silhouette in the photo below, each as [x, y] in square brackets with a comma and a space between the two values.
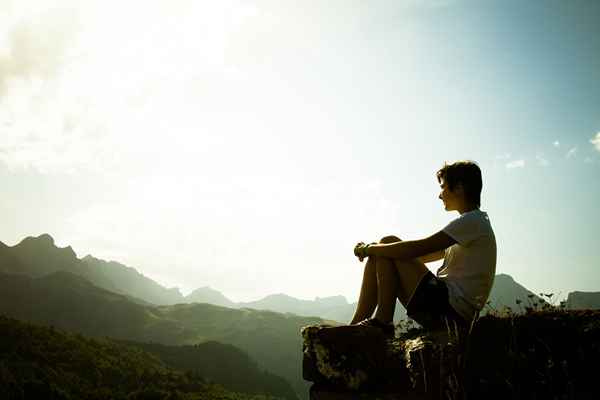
[460, 288]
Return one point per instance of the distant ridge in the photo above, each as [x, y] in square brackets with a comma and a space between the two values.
[208, 295]
[37, 256]
[128, 280]
[506, 292]
[583, 300]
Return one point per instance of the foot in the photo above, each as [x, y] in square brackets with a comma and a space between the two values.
[386, 328]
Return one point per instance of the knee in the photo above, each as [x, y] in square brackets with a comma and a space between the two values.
[390, 239]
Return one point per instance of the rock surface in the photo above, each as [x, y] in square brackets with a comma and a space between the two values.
[583, 300]
[542, 354]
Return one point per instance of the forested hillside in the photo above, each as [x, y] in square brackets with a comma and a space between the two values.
[45, 363]
[70, 302]
[221, 363]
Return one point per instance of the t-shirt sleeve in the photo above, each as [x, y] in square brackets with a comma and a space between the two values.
[464, 229]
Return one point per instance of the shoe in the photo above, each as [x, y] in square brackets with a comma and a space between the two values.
[387, 329]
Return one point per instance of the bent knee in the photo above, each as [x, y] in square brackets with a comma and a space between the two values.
[390, 239]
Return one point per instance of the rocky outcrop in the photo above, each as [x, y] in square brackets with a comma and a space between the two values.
[583, 300]
[542, 354]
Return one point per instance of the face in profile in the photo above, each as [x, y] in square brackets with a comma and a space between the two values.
[450, 198]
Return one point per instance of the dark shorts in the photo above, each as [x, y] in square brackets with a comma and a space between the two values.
[430, 307]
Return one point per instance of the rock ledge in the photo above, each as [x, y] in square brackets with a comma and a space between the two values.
[549, 354]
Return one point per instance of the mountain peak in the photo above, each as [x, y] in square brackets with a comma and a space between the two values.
[279, 296]
[203, 289]
[505, 277]
[45, 242]
[44, 239]
[70, 250]
[206, 294]
[332, 300]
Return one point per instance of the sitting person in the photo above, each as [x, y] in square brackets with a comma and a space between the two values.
[461, 287]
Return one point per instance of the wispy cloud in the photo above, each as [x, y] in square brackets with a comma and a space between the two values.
[515, 164]
[571, 153]
[504, 156]
[556, 143]
[81, 89]
[33, 40]
[541, 160]
[596, 141]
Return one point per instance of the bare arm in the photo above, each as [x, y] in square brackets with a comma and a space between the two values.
[409, 249]
[438, 255]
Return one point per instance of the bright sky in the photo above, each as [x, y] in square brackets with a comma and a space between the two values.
[248, 145]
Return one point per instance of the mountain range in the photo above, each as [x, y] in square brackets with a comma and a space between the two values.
[42, 283]
[38, 256]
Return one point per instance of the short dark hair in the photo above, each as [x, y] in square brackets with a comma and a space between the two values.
[467, 173]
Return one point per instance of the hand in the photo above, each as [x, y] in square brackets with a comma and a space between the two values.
[360, 250]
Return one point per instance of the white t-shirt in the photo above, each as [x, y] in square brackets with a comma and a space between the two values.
[470, 264]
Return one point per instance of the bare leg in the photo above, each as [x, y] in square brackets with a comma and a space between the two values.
[387, 285]
[384, 280]
[367, 301]
[396, 279]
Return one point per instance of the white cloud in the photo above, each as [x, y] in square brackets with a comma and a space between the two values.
[504, 156]
[170, 82]
[556, 143]
[588, 160]
[81, 89]
[571, 153]
[516, 164]
[542, 161]
[596, 141]
[34, 39]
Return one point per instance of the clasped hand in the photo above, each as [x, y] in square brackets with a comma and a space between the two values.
[360, 250]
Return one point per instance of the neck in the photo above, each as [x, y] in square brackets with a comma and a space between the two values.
[466, 208]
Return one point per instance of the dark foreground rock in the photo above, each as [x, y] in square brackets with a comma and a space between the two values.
[540, 355]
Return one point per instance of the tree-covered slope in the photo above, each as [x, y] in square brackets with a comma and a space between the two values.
[44, 363]
[221, 363]
[70, 302]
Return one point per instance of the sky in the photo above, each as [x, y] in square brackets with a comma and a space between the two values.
[249, 145]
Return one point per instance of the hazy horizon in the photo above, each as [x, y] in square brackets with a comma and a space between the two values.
[248, 145]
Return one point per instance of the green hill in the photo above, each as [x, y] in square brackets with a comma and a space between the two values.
[70, 302]
[221, 363]
[45, 363]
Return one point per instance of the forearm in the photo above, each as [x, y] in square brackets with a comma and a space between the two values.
[405, 250]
